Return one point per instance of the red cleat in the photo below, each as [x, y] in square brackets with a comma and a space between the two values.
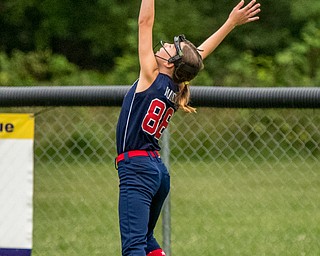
[158, 252]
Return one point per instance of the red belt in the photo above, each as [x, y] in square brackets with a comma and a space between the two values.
[135, 153]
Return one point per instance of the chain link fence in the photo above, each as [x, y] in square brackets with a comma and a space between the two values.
[244, 182]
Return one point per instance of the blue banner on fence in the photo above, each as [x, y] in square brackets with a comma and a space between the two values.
[15, 252]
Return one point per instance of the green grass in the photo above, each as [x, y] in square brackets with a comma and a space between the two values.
[217, 209]
[238, 211]
[76, 211]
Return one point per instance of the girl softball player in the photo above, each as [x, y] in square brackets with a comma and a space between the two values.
[162, 88]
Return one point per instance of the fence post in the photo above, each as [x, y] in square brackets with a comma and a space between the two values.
[166, 214]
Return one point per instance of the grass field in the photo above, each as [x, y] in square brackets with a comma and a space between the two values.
[217, 209]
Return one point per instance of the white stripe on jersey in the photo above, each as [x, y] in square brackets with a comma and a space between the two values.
[127, 125]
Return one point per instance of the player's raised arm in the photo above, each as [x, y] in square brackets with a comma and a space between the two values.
[240, 14]
[148, 64]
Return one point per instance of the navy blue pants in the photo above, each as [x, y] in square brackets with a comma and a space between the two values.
[144, 186]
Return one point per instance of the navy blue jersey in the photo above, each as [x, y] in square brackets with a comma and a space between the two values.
[145, 115]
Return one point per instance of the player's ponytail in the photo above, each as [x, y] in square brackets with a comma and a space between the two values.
[183, 98]
[185, 70]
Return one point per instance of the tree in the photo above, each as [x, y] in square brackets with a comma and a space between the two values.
[102, 35]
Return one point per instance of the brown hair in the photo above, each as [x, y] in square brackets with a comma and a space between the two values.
[187, 69]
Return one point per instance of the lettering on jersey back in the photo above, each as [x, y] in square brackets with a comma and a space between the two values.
[170, 95]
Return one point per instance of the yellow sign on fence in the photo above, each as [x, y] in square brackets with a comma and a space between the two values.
[16, 183]
[16, 126]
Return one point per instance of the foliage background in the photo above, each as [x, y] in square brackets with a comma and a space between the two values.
[75, 42]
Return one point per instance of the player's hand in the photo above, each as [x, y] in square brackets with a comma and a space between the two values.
[243, 14]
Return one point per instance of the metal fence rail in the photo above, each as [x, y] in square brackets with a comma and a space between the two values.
[244, 182]
[204, 96]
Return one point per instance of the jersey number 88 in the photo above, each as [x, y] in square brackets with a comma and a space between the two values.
[153, 123]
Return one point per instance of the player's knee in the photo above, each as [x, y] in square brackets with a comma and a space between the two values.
[158, 252]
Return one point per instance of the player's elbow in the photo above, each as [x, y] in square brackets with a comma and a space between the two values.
[145, 21]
